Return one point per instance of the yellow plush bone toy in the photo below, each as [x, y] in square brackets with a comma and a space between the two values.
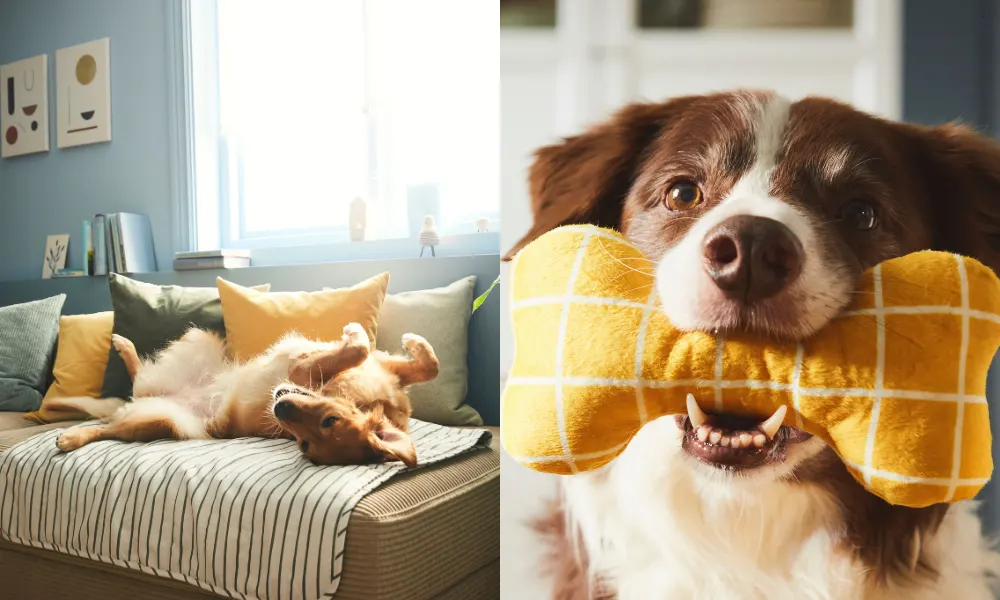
[896, 385]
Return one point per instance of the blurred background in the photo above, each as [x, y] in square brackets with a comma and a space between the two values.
[568, 63]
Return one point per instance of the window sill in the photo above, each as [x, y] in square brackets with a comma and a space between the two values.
[454, 245]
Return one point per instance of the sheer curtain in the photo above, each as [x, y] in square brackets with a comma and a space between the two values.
[323, 101]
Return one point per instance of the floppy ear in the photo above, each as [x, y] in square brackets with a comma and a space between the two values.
[391, 441]
[394, 443]
[585, 178]
[961, 171]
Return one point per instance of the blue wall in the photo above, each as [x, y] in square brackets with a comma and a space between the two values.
[51, 193]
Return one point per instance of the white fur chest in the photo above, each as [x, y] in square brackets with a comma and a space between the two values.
[685, 541]
[657, 527]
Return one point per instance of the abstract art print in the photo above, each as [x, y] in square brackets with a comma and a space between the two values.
[56, 247]
[83, 91]
[24, 107]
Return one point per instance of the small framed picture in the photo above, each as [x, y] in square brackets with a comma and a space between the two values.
[56, 247]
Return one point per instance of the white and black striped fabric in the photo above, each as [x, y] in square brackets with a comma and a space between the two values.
[245, 518]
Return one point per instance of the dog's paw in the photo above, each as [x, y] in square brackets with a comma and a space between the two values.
[71, 440]
[355, 334]
[414, 343]
[122, 344]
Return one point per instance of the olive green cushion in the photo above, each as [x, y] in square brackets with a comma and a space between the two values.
[152, 316]
[28, 334]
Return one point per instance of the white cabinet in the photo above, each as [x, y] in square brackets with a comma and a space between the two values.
[556, 80]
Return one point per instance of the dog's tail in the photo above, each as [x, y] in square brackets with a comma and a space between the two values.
[84, 408]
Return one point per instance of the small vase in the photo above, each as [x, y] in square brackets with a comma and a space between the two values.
[356, 221]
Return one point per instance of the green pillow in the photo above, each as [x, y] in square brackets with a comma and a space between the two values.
[27, 345]
[441, 316]
[153, 316]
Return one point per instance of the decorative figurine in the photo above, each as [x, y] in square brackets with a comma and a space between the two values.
[356, 221]
[429, 235]
[482, 225]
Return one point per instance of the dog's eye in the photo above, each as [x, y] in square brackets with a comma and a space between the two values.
[859, 215]
[328, 422]
[683, 195]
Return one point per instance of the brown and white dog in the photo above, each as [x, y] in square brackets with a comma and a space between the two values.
[761, 213]
[340, 401]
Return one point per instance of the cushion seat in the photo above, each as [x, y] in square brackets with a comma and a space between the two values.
[10, 421]
[423, 534]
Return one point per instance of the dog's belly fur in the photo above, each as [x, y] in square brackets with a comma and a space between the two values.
[211, 396]
[652, 528]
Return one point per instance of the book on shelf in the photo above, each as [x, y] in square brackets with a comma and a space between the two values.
[64, 273]
[87, 247]
[222, 253]
[135, 235]
[127, 243]
[211, 262]
[100, 249]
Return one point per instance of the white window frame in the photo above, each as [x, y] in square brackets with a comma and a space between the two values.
[204, 215]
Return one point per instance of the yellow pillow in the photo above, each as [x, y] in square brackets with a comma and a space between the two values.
[81, 357]
[256, 320]
[900, 397]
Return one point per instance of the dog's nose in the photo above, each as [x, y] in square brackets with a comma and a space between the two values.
[752, 258]
[284, 410]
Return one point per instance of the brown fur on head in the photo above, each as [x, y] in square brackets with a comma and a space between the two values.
[331, 430]
[937, 185]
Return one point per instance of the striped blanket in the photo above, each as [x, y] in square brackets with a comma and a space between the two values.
[245, 518]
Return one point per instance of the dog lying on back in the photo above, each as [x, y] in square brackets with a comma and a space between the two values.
[341, 402]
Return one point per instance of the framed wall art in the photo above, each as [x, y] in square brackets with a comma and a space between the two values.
[24, 107]
[83, 93]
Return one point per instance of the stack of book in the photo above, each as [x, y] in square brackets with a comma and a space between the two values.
[115, 243]
[211, 259]
[127, 241]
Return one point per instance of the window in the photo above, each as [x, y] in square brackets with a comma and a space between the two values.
[302, 106]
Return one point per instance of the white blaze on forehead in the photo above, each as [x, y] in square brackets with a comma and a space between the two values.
[752, 193]
[770, 123]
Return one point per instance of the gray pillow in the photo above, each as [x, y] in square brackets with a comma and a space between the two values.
[441, 316]
[27, 345]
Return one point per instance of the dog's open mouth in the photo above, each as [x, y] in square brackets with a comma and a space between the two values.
[733, 442]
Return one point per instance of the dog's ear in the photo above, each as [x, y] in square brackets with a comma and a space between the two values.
[961, 172]
[393, 443]
[585, 178]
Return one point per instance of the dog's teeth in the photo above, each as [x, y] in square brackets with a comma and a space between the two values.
[702, 433]
[735, 441]
[724, 442]
[745, 439]
[771, 426]
[759, 440]
[697, 416]
[714, 437]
